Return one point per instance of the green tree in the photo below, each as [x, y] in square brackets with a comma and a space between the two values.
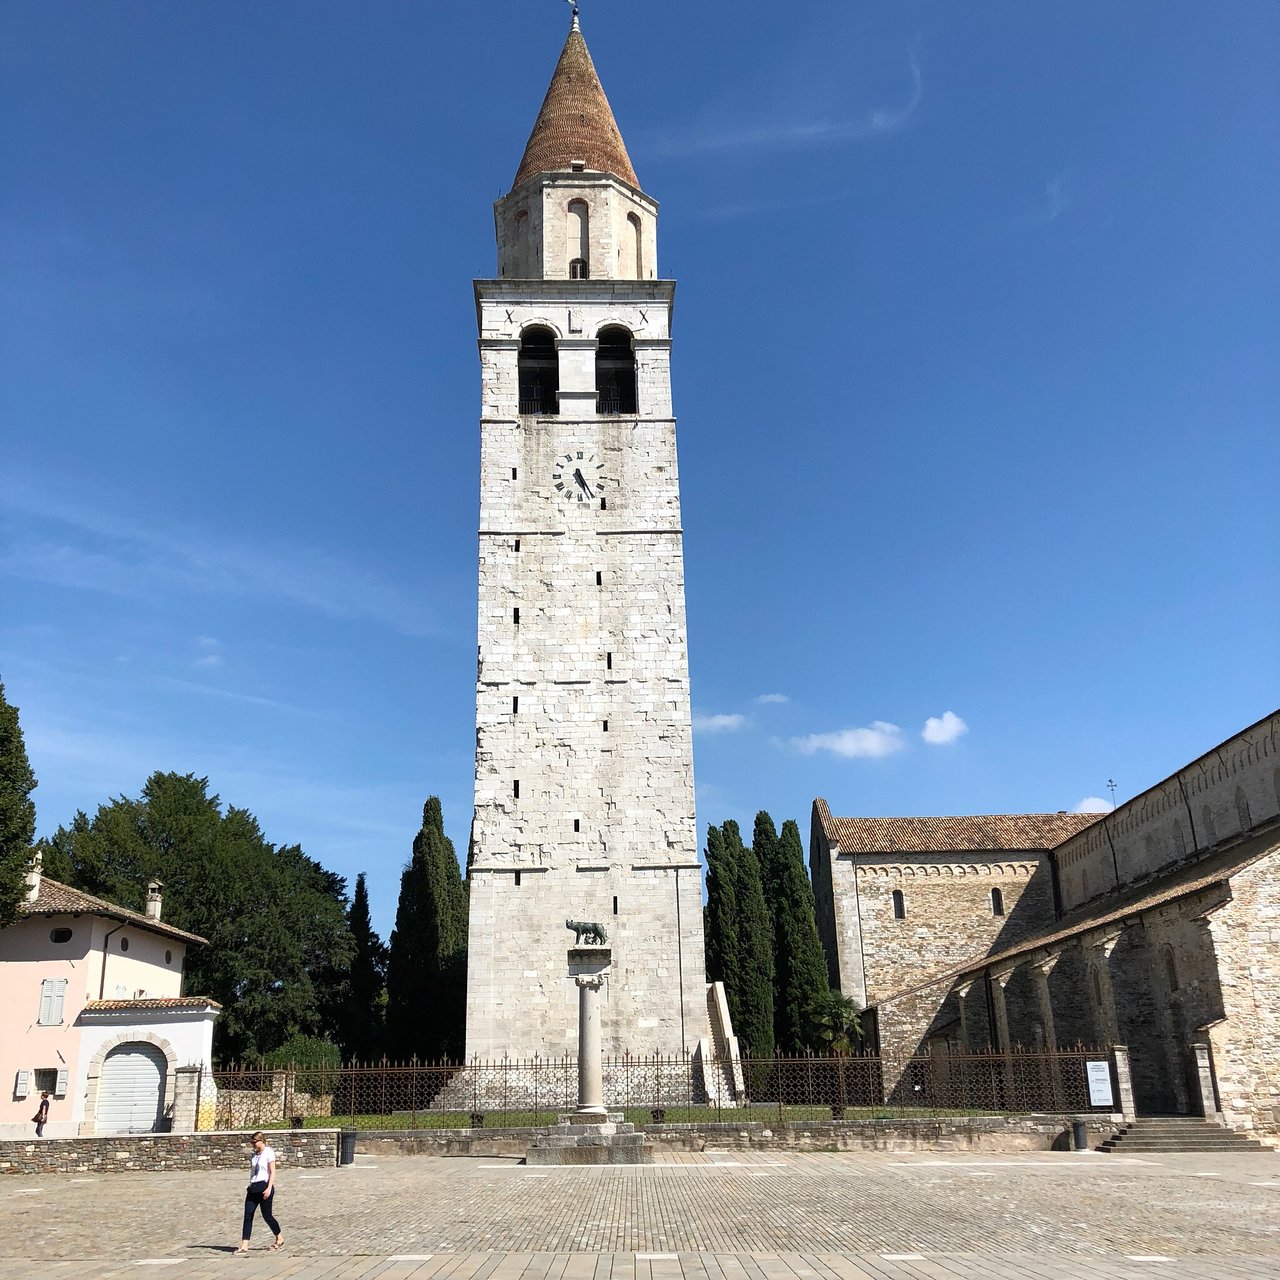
[17, 813]
[427, 964]
[365, 1006]
[834, 1025]
[275, 920]
[751, 996]
[800, 970]
[721, 926]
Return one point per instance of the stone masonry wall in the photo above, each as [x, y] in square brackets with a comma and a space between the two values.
[1246, 1044]
[153, 1152]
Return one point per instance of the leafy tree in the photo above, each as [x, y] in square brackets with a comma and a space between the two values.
[834, 1025]
[427, 965]
[275, 920]
[800, 970]
[17, 813]
[751, 996]
[365, 1004]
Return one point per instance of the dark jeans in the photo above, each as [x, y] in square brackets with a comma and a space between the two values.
[253, 1200]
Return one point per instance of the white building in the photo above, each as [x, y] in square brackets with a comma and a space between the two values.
[92, 1012]
[584, 804]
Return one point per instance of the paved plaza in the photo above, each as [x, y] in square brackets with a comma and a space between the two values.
[718, 1216]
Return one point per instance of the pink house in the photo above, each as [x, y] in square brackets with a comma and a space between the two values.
[92, 1011]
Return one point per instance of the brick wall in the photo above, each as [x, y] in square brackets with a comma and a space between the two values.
[148, 1152]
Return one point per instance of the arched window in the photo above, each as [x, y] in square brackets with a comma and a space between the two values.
[637, 233]
[1170, 969]
[615, 371]
[579, 240]
[899, 905]
[1210, 829]
[1242, 810]
[539, 372]
[997, 902]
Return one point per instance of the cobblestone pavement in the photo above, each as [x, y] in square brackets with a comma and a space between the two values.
[718, 1216]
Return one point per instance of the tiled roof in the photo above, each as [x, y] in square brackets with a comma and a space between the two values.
[57, 899]
[150, 1002]
[576, 122]
[977, 833]
[1112, 910]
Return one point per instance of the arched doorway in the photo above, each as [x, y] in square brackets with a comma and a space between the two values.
[131, 1089]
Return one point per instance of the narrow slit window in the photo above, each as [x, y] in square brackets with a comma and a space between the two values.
[517, 879]
[608, 662]
[606, 725]
[899, 905]
[515, 789]
[604, 504]
[577, 824]
[517, 544]
[513, 473]
[515, 616]
[599, 578]
[515, 704]
[997, 902]
[615, 904]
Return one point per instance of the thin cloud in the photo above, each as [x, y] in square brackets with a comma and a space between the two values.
[871, 742]
[719, 724]
[799, 133]
[228, 695]
[70, 545]
[1092, 804]
[773, 698]
[943, 730]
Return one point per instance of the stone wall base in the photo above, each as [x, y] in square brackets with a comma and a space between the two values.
[154, 1152]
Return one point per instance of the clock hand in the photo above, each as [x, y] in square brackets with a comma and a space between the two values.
[582, 484]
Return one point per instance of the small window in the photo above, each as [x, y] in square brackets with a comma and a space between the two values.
[517, 544]
[899, 905]
[515, 616]
[599, 578]
[52, 993]
[513, 473]
[608, 662]
[604, 504]
[60, 935]
[517, 879]
[515, 789]
[124, 944]
[997, 902]
[168, 957]
[615, 904]
[46, 1079]
[578, 269]
[577, 824]
[605, 725]
[515, 704]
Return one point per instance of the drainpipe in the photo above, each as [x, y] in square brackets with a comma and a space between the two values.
[102, 985]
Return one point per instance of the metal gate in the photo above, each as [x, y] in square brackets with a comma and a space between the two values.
[131, 1089]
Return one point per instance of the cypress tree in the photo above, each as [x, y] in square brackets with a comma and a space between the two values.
[367, 986]
[753, 1014]
[17, 813]
[801, 981]
[427, 965]
[721, 932]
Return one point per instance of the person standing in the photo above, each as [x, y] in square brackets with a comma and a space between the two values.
[41, 1116]
[261, 1192]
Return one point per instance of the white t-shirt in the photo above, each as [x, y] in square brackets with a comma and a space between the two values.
[259, 1164]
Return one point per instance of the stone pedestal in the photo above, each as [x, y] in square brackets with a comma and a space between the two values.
[590, 1135]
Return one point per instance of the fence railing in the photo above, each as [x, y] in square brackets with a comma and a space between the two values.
[658, 1088]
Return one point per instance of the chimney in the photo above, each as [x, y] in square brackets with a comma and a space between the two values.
[154, 900]
[34, 872]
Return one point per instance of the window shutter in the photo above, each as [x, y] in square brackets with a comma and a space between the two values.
[22, 1085]
[59, 995]
[60, 1088]
[46, 1002]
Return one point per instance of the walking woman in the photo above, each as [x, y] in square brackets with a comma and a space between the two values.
[261, 1193]
[41, 1117]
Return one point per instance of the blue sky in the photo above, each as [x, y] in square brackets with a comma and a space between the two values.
[975, 365]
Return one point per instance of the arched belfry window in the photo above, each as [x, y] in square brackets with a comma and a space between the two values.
[539, 372]
[615, 371]
[637, 236]
[579, 240]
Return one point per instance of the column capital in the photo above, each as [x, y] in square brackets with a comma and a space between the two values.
[589, 981]
[1103, 942]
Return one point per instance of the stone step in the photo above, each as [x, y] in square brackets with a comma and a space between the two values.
[1158, 1134]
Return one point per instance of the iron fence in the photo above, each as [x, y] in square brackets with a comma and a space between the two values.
[658, 1088]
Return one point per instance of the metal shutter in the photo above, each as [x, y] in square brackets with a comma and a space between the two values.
[131, 1089]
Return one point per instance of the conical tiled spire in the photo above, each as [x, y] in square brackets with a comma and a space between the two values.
[576, 121]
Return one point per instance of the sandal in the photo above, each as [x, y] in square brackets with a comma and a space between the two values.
[244, 1248]
[279, 1244]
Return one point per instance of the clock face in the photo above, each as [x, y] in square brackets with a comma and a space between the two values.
[578, 476]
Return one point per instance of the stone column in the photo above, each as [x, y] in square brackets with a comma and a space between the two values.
[1001, 1032]
[962, 996]
[589, 968]
[1124, 1083]
[1204, 1077]
[1041, 970]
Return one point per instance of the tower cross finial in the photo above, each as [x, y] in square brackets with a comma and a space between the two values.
[573, 25]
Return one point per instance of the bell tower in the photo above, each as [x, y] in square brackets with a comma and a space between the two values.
[584, 804]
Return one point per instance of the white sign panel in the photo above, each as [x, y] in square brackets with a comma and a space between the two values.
[1099, 1076]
